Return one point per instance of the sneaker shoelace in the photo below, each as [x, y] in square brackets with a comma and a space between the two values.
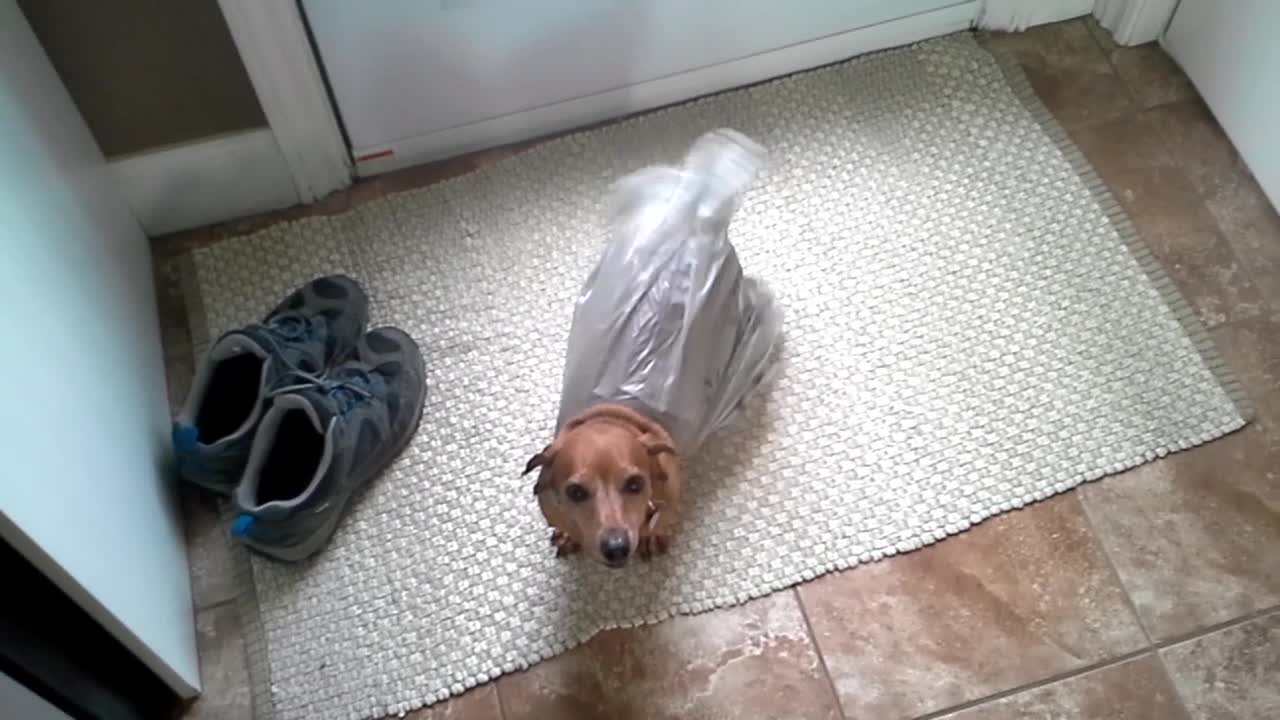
[347, 390]
[347, 386]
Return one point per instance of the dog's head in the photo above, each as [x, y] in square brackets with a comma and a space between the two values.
[600, 481]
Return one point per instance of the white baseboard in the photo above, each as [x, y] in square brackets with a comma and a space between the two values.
[205, 182]
[663, 91]
[1018, 15]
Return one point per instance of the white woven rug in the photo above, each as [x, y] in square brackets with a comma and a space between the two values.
[970, 327]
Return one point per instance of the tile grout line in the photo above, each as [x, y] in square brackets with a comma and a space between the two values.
[1200, 633]
[1036, 685]
[1168, 676]
[497, 695]
[1196, 635]
[1133, 606]
[1175, 641]
[1111, 564]
[817, 649]
[1154, 649]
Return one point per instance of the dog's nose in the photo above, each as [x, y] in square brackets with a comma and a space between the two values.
[615, 547]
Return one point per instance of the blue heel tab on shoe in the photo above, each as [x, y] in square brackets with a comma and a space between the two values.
[240, 526]
[185, 437]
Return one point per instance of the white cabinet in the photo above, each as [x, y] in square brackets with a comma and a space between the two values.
[84, 495]
[1231, 52]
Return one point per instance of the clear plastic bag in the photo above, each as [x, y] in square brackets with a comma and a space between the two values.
[667, 323]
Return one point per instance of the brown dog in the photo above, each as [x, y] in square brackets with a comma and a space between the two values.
[668, 339]
[611, 480]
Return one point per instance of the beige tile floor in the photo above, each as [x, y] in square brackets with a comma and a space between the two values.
[1154, 595]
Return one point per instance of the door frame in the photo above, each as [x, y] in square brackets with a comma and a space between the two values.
[276, 49]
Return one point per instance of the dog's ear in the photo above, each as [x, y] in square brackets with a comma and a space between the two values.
[655, 448]
[541, 461]
[541, 458]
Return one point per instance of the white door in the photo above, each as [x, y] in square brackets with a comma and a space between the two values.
[416, 79]
[1230, 52]
[84, 422]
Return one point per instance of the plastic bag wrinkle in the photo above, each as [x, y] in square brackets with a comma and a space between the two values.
[667, 323]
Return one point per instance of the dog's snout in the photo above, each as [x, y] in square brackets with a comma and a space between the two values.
[615, 547]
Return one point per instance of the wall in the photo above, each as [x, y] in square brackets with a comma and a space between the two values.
[85, 495]
[147, 73]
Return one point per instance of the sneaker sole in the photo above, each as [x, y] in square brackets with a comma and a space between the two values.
[322, 536]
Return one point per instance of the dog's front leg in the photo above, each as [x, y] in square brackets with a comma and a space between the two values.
[563, 543]
[655, 536]
[552, 512]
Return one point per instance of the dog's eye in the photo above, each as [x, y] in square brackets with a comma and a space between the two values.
[576, 493]
[633, 484]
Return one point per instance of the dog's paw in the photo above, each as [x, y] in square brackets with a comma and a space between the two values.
[653, 545]
[563, 544]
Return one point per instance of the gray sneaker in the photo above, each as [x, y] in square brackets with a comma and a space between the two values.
[313, 328]
[323, 440]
